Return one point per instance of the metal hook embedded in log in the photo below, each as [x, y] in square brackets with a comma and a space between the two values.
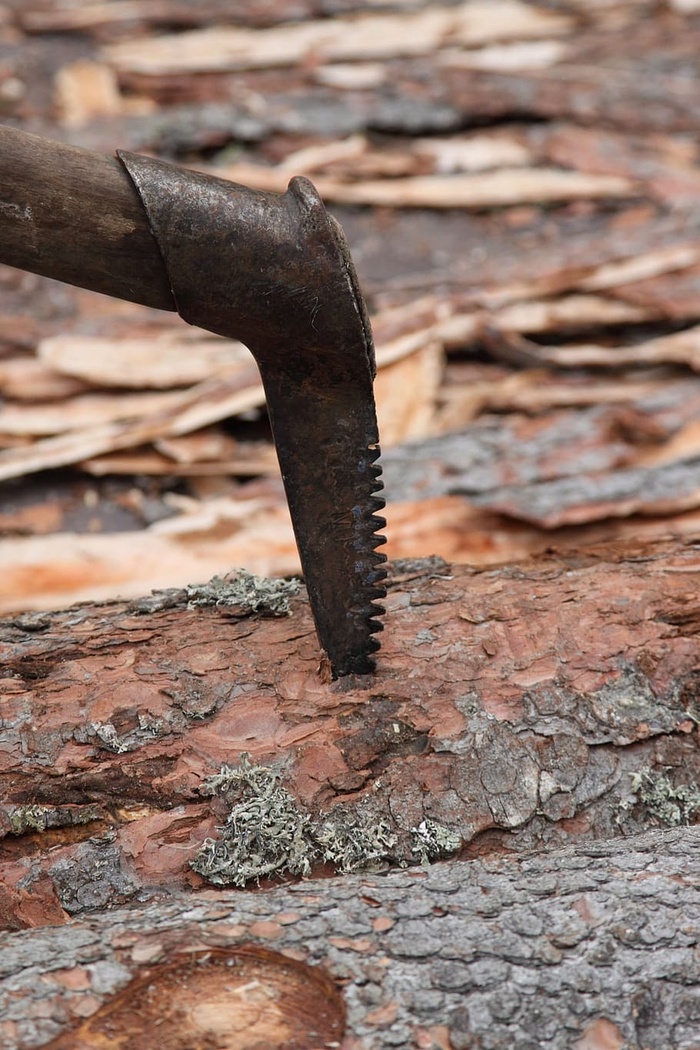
[273, 271]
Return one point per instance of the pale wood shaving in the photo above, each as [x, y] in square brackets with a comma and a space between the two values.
[639, 267]
[446, 322]
[356, 158]
[473, 152]
[607, 276]
[508, 58]
[680, 348]
[500, 188]
[49, 571]
[571, 311]
[161, 362]
[85, 91]
[360, 37]
[406, 393]
[484, 20]
[530, 390]
[356, 76]
[83, 411]
[312, 158]
[209, 444]
[154, 463]
[179, 413]
[86, 16]
[28, 379]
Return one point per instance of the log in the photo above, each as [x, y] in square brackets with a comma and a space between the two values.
[589, 946]
[170, 748]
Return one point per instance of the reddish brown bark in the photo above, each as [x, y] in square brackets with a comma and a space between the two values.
[511, 706]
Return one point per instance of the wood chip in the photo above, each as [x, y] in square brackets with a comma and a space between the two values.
[533, 391]
[209, 444]
[83, 411]
[356, 76]
[506, 58]
[478, 152]
[27, 379]
[571, 311]
[155, 464]
[85, 91]
[341, 39]
[680, 348]
[85, 16]
[636, 268]
[178, 413]
[610, 275]
[446, 321]
[501, 188]
[161, 362]
[50, 571]
[406, 394]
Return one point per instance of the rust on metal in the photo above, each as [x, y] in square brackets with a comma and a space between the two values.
[275, 272]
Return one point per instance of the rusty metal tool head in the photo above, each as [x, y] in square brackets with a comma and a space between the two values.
[273, 271]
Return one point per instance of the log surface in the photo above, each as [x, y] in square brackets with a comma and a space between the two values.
[589, 946]
[513, 706]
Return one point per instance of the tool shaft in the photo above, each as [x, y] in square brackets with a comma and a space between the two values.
[75, 215]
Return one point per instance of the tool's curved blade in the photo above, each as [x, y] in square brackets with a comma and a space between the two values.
[275, 272]
[327, 445]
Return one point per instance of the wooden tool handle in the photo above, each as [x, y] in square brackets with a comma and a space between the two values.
[75, 216]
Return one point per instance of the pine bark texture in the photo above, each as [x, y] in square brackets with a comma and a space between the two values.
[515, 709]
[592, 946]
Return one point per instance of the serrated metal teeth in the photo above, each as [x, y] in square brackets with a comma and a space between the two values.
[370, 562]
[377, 483]
[377, 541]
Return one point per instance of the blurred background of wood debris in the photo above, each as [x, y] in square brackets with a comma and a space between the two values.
[520, 185]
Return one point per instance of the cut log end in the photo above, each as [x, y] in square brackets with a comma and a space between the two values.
[245, 998]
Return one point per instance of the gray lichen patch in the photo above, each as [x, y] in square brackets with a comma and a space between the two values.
[433, 841]
[244, 591]
[268, 833]
[22, 820]
[238, 589]
[664, 802]
[351, 845]
[146, 730]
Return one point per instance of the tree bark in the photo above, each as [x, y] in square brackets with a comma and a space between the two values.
[547, 706]
[589, 946]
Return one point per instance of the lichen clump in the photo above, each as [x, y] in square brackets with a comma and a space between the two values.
[242, 590]
[666, 803]
[433, 841]
[268, 833]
